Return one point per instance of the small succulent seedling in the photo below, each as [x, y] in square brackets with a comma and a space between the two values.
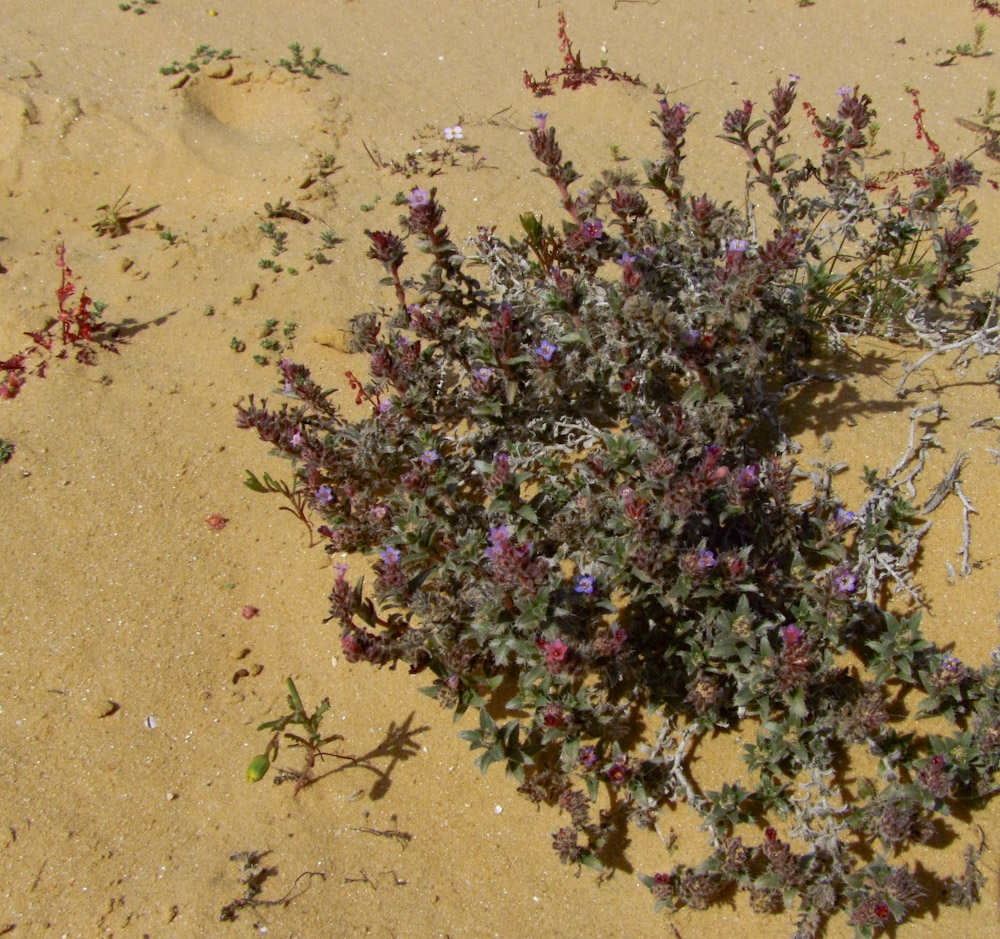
[200, 58]
[138, 7]
[299, 64]
[310, 739]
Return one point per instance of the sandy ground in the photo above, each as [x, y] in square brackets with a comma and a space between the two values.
[125, 726]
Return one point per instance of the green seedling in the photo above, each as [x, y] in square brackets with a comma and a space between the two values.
[137, 6]
[299, 64]
[199, 59]
[310, 739]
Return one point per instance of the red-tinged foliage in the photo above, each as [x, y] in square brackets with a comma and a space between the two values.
[80, 328]
[573, 73]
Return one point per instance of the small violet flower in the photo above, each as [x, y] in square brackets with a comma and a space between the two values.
[296, 439]
[324, 495]
[951, 666]
[419, 197]
[845, 583]
[547, 349]
[429, 457]
[737, 245]
[587, 757]
[390, 556]
[540, 119]
[499, 534]
[706, 560]
[748, 477]
[584, 584]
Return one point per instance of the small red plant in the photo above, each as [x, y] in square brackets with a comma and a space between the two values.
[918, 118]
[573, 73]
[81, 328]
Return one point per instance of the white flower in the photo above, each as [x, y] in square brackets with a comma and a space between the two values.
[453, 133]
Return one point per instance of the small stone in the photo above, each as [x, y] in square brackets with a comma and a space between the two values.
[103, 707]
[171, 796]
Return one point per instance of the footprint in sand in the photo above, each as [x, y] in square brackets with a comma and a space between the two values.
[251, 128]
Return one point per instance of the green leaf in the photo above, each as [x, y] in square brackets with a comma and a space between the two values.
[528, 513]
[253, 483]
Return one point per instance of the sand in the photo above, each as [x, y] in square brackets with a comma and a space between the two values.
[131, 682]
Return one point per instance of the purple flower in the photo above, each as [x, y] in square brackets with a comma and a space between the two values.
[390, 556]
[626, 260]
[384, 407]
[584, 584]
[499, 543]
[845, 91]
[587, 756]
[324, 495]
[593, 229]
[690, 337]
[617, 775]
[419, 197]
[845, 583]
[483, 374]
[540, 119]
[748, 477]
[791, 634]
[296, 439]
[547, 349]
[429, 457]
[844, 517]
[951, 666]
[706, 560]
[737, 245]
